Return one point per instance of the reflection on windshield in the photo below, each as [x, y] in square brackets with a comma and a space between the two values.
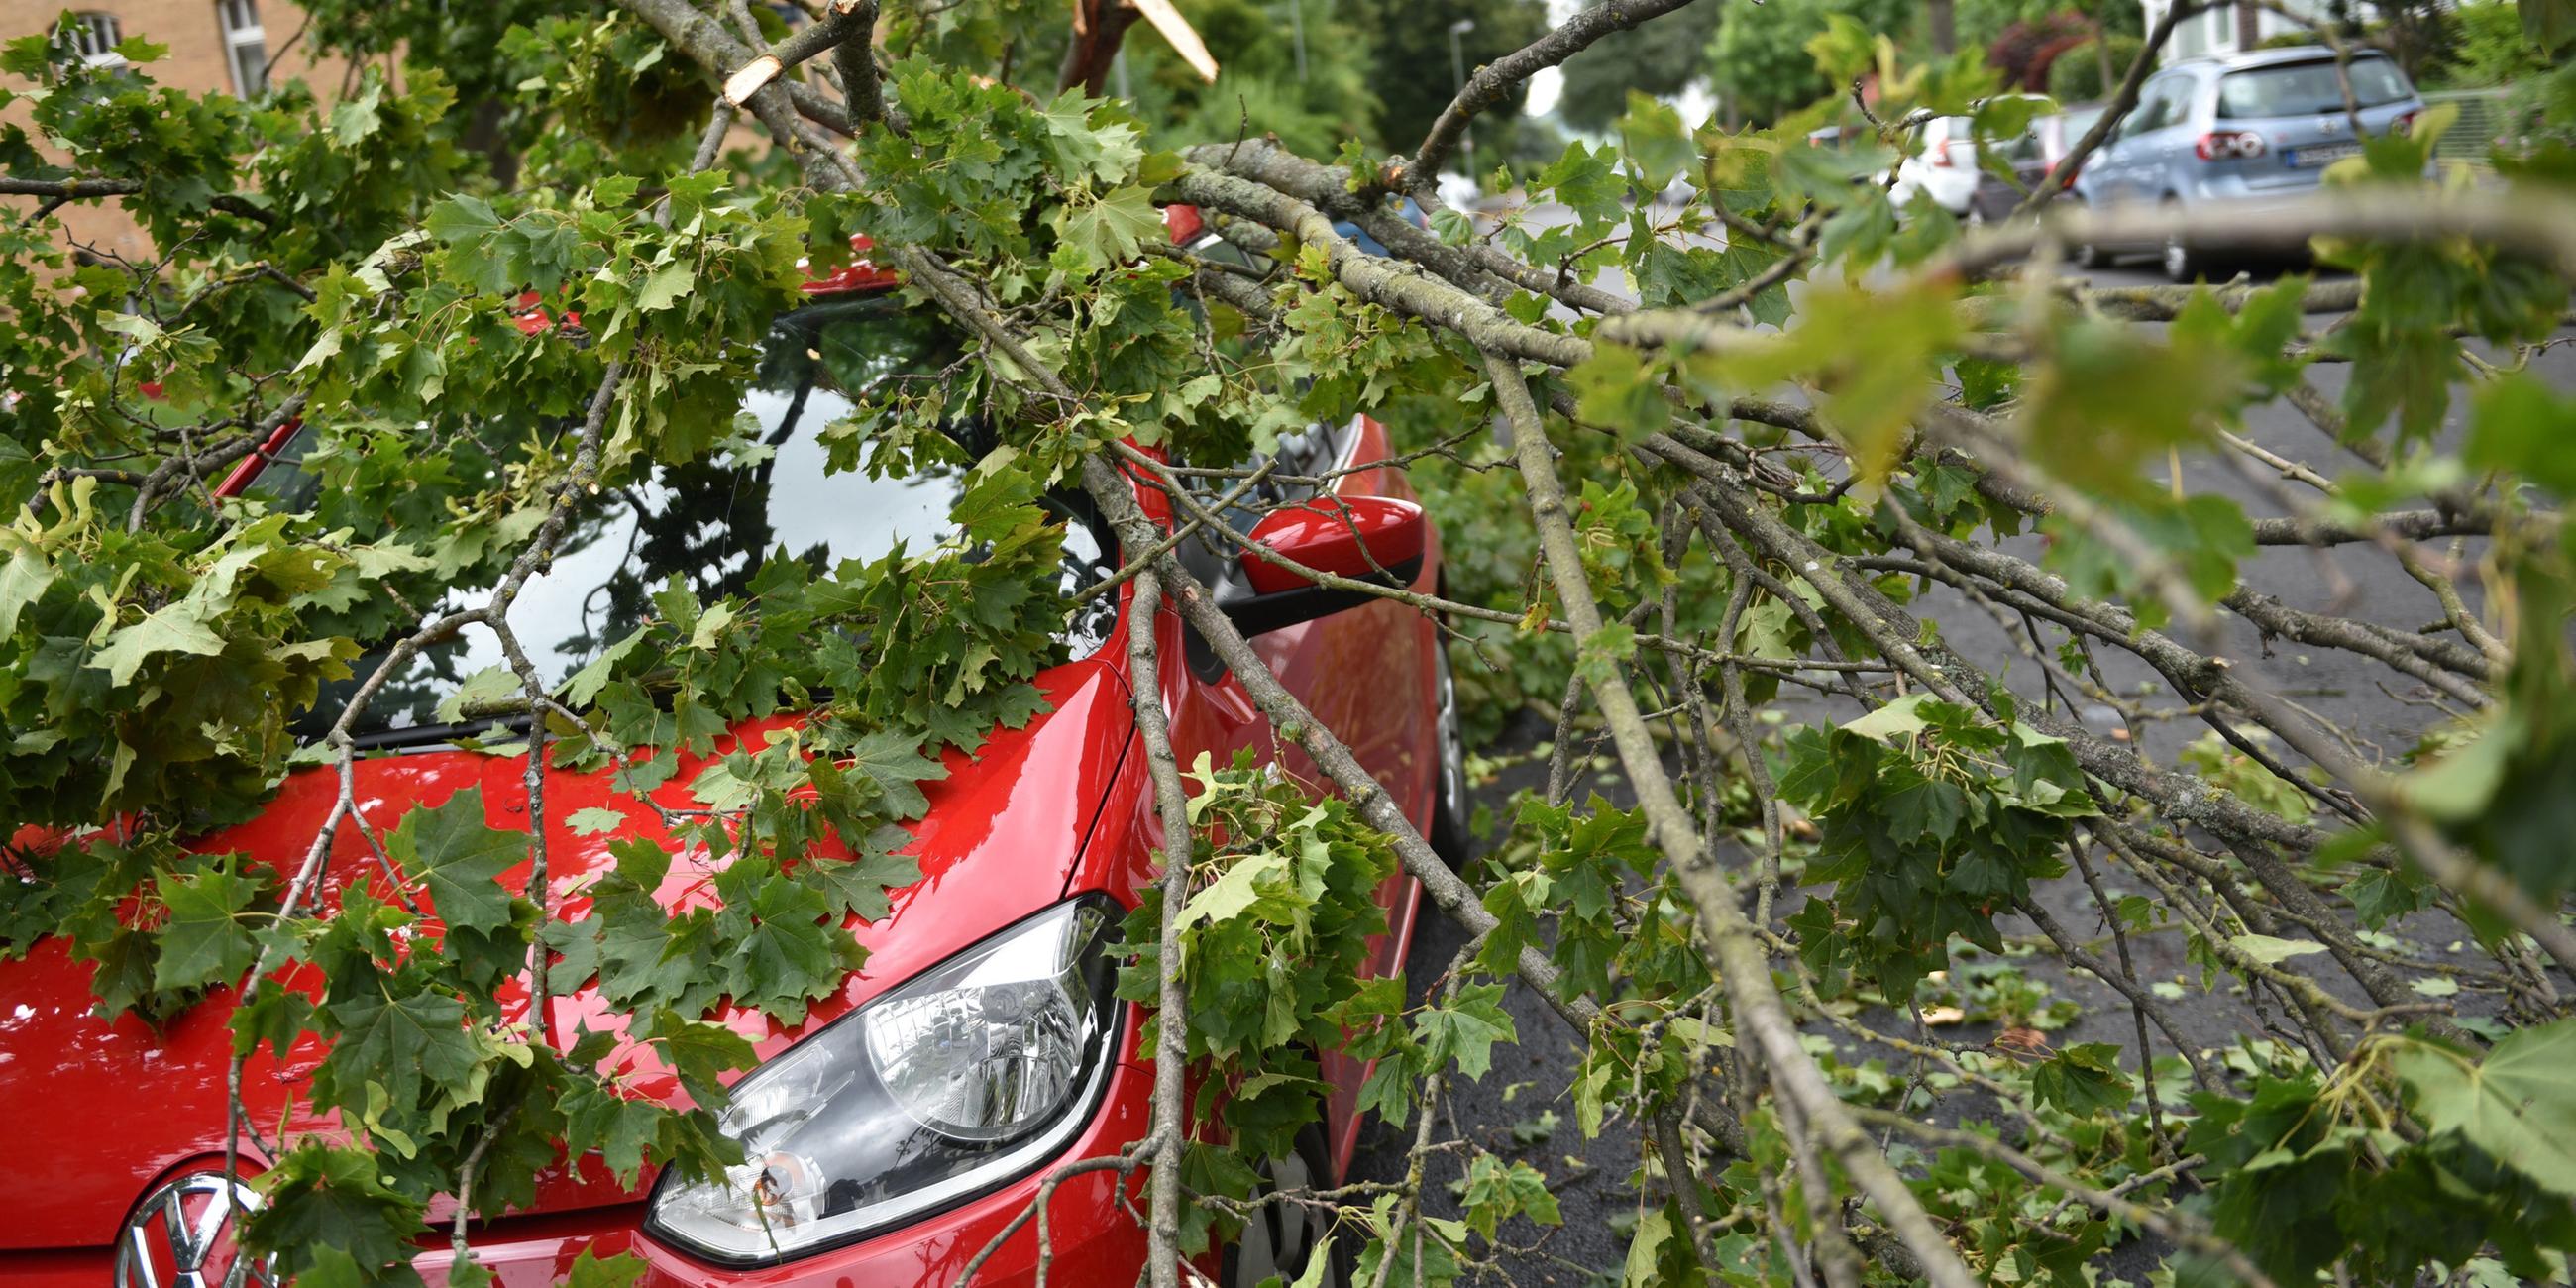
[713, 522]
[2307, 89]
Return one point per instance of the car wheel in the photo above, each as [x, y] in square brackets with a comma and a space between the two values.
[1449, 793]
[1282, 1238]
[2181, 262]
[2089, 256]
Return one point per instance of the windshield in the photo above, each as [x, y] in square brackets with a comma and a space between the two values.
[713, 522]
[2307, 89]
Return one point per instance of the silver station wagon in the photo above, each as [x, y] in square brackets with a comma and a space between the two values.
[2240, 129]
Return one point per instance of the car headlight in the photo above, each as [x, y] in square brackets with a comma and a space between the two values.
[965, 1077]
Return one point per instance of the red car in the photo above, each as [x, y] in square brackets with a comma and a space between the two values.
[1031, 850]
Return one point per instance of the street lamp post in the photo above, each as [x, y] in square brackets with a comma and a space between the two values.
[1458, 67]
[1297, 23]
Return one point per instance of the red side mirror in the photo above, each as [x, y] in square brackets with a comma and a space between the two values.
[1367, 537]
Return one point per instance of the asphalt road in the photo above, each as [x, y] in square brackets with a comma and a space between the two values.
[1521, 1110]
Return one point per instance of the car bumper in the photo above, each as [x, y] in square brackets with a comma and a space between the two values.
[1092, 1238]
[1950, 189]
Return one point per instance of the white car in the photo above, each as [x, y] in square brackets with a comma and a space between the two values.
[1942, 167]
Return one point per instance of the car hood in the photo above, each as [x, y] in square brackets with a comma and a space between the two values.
[99, 1110]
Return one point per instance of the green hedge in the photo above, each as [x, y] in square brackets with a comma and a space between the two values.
[2076, 75]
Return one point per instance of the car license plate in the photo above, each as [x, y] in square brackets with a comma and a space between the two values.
[2323, 154]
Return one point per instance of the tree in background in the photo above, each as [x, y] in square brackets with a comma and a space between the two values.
[2026, 50]
[1938, 436]
[1759, 59]
[1410, 66]
[1659, 59]
[1993, 25]
[2490, 49]
[1264, 86]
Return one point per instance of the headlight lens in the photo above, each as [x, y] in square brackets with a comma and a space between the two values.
[961, 1079]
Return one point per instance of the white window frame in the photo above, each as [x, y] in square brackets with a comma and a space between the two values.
[242, 32]
[95, 35]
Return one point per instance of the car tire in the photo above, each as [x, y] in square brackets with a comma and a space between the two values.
[1280, 1238]
[2182, 262]
[2087, 255]
[1449, 836]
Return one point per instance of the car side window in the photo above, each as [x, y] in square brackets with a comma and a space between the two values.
[1217, 249]
[2142, 118]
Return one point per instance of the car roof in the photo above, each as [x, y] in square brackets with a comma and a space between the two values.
[2240, 61]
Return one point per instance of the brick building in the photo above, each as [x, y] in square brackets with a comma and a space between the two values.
[233, 46]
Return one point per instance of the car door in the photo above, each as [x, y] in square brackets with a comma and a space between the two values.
[2098, 182]
[2118, 183]
[2166, 144]
[1367, 673]
[2132, 171]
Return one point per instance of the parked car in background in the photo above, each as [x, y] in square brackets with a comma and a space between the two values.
[2241, 129]
[2032, 157]
[1943, 167]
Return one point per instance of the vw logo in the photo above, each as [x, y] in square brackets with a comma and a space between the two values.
[181, 1236]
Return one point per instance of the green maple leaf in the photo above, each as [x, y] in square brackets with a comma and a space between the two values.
[619, 1129]
[2517, 1105]
[664, 288]
[1256, 882]
[647, 957]
[891, 759]
[460, 217]
[1465, 1030]
[1113, 229]
[335, 1197]
[590, 1270]
[1584, 180]
[277, 1016]
[22, 579]
[121, 971]
[205, 941]
[594, 821]
[1105, 153]
[460, 858]
[787, 957]
[699, 1052]
[2083, 1080]
[1655, 139]
[857, 887]
[408, 1044]
[179, 628]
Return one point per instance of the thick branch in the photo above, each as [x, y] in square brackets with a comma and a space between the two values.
[713, 49]
[1145, 693]
[1741, 959]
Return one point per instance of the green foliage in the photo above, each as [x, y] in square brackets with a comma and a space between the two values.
[2076, 76]
[1410, 63]
[2309, 1171]
[1932, 823]
[1260, 88]
[364, 267]
[1759, 59]
[1658, 59]
[1273, 940]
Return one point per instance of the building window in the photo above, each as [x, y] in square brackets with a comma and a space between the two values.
[93, 36]
[245, 46]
